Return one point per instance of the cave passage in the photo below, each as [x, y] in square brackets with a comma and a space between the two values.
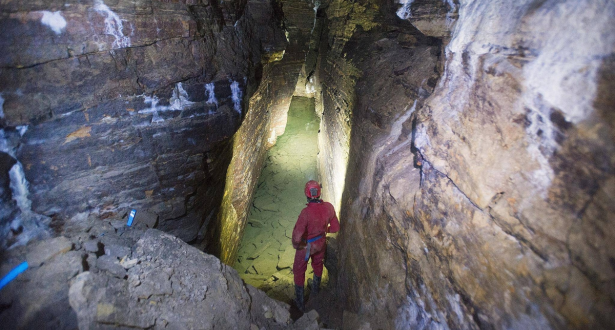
[266, 254]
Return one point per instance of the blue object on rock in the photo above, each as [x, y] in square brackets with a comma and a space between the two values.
[131, 217]
[13, 273]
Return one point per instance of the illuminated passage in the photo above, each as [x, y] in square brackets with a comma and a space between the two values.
[266, 254]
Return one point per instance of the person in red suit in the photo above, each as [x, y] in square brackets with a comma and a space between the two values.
[309, 239]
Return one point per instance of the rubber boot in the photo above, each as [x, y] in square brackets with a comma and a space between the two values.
[316, 284]
[299, 298]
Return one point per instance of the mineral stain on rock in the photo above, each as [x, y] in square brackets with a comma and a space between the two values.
[79, 134]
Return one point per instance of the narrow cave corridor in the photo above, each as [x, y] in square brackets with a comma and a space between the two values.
[153, 156]
[266, 254]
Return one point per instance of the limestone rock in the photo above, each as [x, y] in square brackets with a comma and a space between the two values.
[48, 249]
[63, 268]
[309, 321]
[433, 18]
[93, 246]
[38, 298]
[150, 220]
[353, 321]
[331, 261]
[128, 263]
[117, 251]
[118, 224]
[155, 282]
[175, 286]
[111, 265]
[268, 308]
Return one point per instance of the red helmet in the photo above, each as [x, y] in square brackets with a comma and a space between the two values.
[312, 189]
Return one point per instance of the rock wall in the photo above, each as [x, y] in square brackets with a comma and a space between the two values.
[375, 69]
[117, 104]
[335, 98]
[265, 121]
[482, 200]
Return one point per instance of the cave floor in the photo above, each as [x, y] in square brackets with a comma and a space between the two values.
[266, 254]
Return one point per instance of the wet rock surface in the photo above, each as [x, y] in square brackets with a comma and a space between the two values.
[162, 283]
[266, 254]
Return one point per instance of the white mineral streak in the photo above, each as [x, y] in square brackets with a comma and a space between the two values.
[561, 60]
[564, 72]
[22, 129]
[451, 10]
[404, 11]
[316, 6]
[211, 95]
[1, 107]
[34, 225]
[113, 25]
[455, 305]
[18, 183]
[396, 130]
[413, 313]
[4, 145]
[179, 100]
[54, 21]
[154, 108]
[19, 188]
[237, 95]
[310, 87]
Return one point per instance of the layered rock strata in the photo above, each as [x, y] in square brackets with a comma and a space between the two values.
[129, 103]
[483, 201]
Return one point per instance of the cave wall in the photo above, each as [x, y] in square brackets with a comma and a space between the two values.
[264, 122]
[335, 98]
[479, 184]
[375, 68]
[117, 104]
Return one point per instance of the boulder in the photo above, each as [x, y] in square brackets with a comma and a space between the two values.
[309, 321]
[150, 220]
[93, 246]
[265, 307]
[111, 265]
[117, 251]
[174, 285]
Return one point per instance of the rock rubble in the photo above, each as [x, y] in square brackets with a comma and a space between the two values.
[146, 279]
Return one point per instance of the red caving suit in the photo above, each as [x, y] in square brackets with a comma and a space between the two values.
[317, 218]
